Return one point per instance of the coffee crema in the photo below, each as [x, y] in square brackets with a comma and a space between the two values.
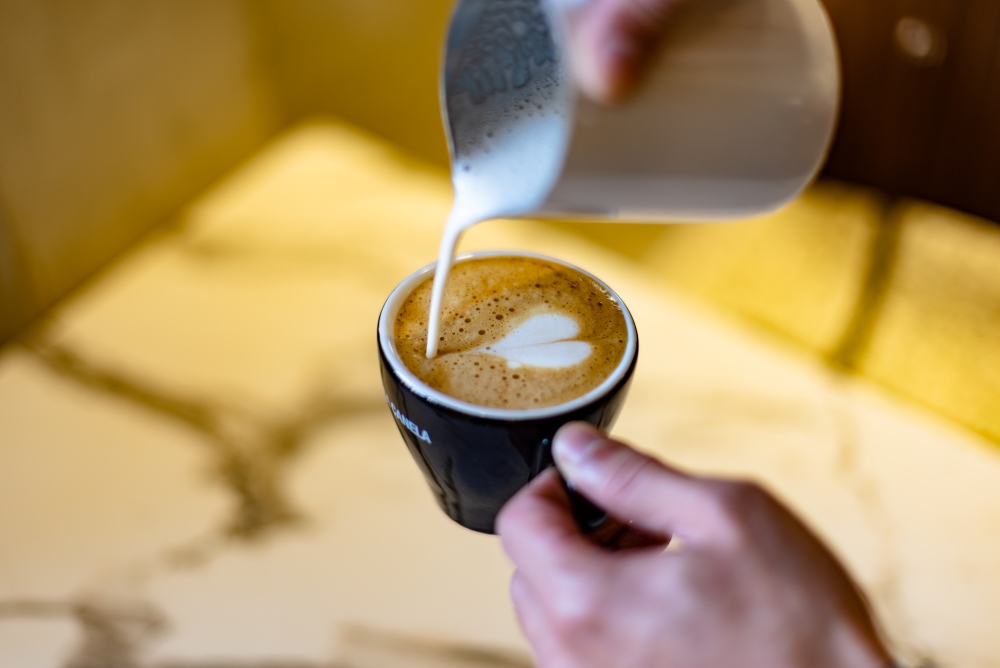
[516, 333]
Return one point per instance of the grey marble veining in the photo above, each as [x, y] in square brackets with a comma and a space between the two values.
[248, 452]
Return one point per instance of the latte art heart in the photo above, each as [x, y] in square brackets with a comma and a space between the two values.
[544, 340]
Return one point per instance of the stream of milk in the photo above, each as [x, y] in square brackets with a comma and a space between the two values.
[508, 154]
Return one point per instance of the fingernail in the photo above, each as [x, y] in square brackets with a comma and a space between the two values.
[606, 73]
[603, 63]
[574, 443]
[619, 56]
[620, 63]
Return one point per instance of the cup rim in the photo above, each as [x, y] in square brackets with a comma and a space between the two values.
[387, 346]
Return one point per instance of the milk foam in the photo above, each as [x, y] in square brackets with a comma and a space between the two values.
[507, 120]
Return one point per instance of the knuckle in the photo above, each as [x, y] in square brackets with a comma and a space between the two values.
[625, 477]
[519, 594]
[509, 526]
[511, 516]
[735, 497]
[575, 606]
[736, 502]
[574, 615]
[517, 587]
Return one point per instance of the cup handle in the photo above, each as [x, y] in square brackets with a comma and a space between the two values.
[588, 517]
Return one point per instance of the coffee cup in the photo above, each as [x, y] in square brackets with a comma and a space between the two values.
[476, 457]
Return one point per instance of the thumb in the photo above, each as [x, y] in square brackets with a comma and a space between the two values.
[629, 485]
[612, 41]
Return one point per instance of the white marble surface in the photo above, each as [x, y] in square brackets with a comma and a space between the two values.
[197, 467]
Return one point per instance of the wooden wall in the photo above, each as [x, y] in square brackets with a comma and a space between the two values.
[375, 63]
[921, 113]
[113, 113]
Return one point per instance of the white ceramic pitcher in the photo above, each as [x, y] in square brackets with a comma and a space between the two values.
[733, 121]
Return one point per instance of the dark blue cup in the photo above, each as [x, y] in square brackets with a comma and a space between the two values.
[476, 458]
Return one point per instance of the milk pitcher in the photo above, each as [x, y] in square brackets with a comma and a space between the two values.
[733, 120]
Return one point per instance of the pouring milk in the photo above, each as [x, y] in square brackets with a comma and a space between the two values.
[733, 121]
[508, 100]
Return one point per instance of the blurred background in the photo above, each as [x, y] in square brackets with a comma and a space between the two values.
[202, 204]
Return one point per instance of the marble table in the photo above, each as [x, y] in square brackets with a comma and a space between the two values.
[198, 468]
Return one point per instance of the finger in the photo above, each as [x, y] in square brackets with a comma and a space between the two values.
[659, 500]
[534, 623]
[539, 534]
[613, 41]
